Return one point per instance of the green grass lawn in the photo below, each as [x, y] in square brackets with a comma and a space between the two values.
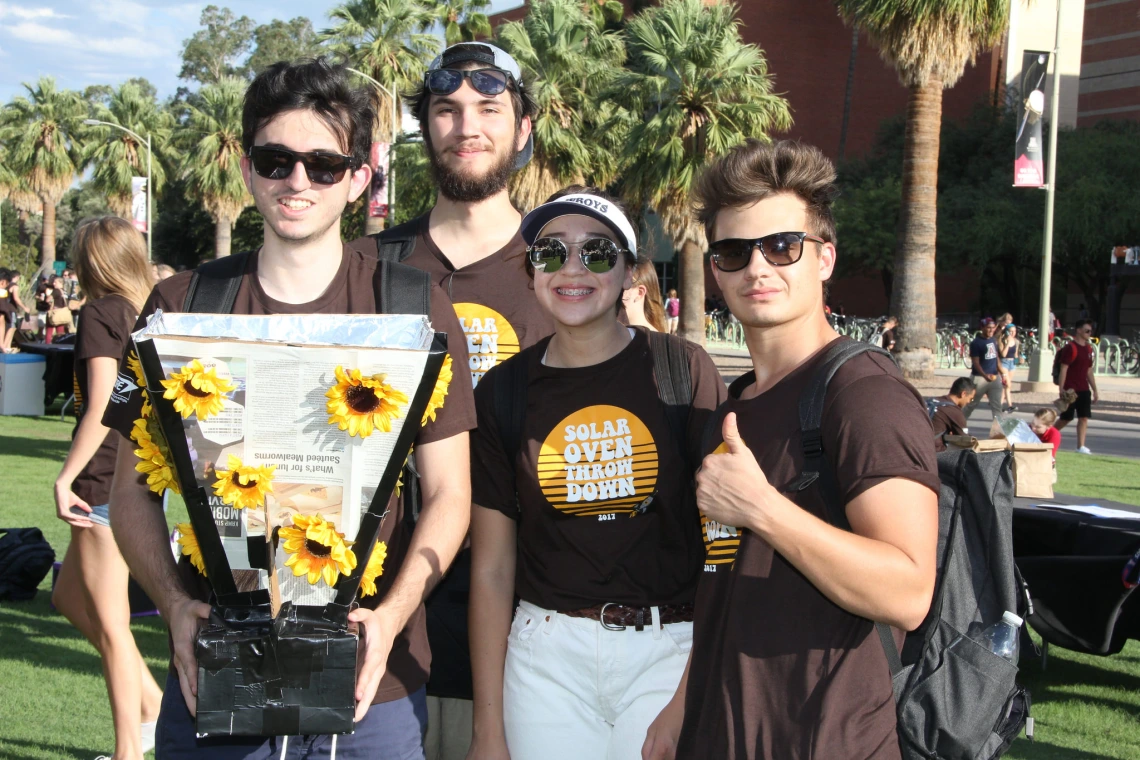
[53, 703]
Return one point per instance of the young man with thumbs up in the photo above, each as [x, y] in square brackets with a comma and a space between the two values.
[786, 662]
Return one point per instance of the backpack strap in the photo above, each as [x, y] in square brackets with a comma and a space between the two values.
[401, 289]
[397, 243]
[816, 468]
[674, 385]
[214, 285]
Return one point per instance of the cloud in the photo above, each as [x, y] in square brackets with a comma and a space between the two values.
[19, 11]
[123, 47]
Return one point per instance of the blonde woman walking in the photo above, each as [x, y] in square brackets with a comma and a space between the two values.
[91, 592]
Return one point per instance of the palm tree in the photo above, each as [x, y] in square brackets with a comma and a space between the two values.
[699, 90]
[567, 64]
[929, 42]
[211, 140]
[42, 132]
[384, 39]
[604, 12]
[116, 156]
[463, 20]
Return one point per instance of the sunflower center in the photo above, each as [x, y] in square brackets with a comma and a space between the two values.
[362, 400]
[235, 478]
[317, 549]
[192, 391]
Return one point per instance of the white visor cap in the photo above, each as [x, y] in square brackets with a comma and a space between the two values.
[583, 204]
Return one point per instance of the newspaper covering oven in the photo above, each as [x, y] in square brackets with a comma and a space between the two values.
[286, 436]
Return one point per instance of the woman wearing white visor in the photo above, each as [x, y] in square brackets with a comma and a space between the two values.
[584, 506]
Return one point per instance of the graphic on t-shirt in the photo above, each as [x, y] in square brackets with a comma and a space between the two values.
[721, 541]
[601, 461]
[490, 337]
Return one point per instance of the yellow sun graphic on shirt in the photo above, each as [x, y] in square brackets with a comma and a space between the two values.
[197, 390]
[374, 569]
[361, 403]
[243, 486]
[441, 385]
[154, 456]
[189, 543]
[317, 550]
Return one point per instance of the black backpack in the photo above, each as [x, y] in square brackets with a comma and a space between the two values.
[397, 243]
[25, 560]
[954, 699]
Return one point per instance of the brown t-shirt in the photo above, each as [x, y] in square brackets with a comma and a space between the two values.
[948, 419]
[351, 292]
[104, 330]
[595, 446]
[493, 297]
[779, 671]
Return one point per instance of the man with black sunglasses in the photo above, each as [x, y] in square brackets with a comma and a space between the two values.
[475, 115]
[305, 134]
[785, 660]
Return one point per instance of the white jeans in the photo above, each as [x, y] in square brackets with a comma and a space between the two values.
[574, 690]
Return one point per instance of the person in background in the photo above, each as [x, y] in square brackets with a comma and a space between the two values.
[890, 333]
[672, 311]
[985, 370]
[1042, 424]
[18, 305]
[163, 271]
[7, 313]
[91, 591]
[1008, 347]
[52, 296]
[641, 303]
[948, 418]
[1078, 373]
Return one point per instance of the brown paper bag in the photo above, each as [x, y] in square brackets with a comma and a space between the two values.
[976, 444]
[1033, 470]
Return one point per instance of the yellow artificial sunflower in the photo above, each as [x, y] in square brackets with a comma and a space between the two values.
[243, 486]
[189, 543]
[317, 549]
[441, 385]
[136, 367]
[360, 403]
[153, 454]
[374, 569]
[196, 390]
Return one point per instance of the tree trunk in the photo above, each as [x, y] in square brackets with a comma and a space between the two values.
[22, 234]
[47, 239]
[692, 325]
[372, 224]
[223, 236]
[912, 299]
[850, 89]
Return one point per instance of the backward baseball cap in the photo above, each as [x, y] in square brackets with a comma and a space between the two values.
[483, 52]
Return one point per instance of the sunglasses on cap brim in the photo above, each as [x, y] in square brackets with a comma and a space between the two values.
[599, 255]
[321, 168]
[488, 81]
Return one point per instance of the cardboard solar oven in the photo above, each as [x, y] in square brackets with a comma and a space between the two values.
[287, 435]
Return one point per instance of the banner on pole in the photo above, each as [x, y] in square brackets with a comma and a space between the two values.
[1029, 164]
[378, 195]
[138, 203]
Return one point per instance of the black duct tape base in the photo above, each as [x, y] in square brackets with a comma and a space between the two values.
[285, 678]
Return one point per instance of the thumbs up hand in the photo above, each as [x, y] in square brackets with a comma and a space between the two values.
[731, 487]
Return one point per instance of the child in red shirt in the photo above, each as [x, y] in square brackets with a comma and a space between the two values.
[1042, 425]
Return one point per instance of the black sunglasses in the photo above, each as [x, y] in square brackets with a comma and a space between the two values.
[321, 168]
[446, 81]
[599, 255]
[780, 249]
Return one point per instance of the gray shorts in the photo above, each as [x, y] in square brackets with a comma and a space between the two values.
[99, 515]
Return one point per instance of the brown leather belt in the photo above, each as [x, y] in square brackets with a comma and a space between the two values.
[615, 617]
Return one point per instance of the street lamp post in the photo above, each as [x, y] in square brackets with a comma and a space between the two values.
[391, 146]
[149, 220]
[1041, 363]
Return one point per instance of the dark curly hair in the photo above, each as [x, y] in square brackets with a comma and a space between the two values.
[316, 85]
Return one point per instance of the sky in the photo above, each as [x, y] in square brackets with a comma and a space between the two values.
[110, 41]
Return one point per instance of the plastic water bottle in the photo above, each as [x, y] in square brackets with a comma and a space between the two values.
[1003, 638]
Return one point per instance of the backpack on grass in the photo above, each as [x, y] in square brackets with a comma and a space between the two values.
[955, 700]
[25, 560]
